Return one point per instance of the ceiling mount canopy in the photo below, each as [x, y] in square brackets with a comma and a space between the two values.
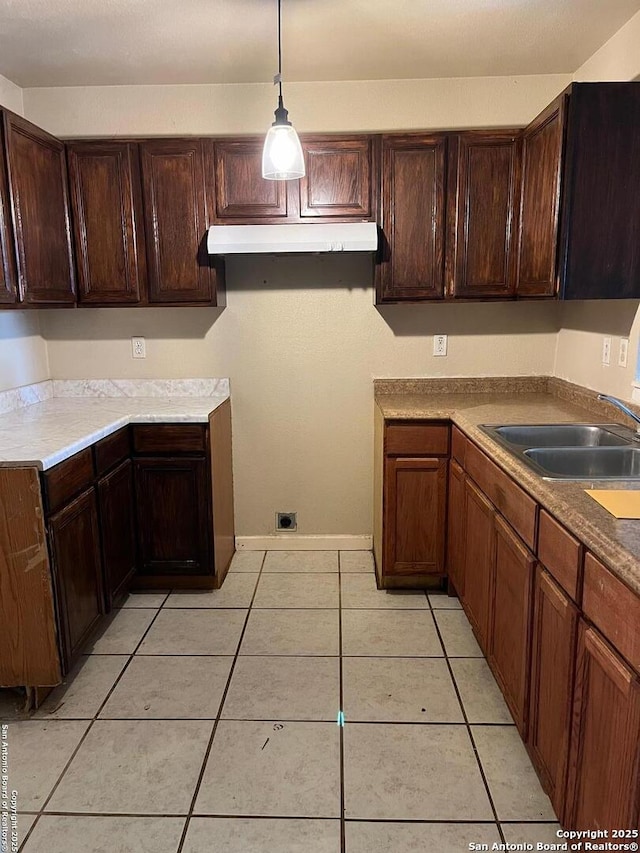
[282, 158]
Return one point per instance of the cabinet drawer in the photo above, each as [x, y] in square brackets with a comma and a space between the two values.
[65, 480]
[416, 439]
[111, 450]
[514, 504]
[560, 553]
[458, 445]
[613, 608]
[170, 438]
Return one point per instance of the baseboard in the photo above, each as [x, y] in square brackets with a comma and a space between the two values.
[293, 542]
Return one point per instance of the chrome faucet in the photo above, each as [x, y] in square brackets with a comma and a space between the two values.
[623, 408]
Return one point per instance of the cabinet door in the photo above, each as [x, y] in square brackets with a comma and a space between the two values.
[600, 216]
[604, 764]
[479, 560]
[415, 513]
[40, 212]
[117, 524]
[413, 216]
[8, 283]
[456, 528]
[242, 195]
[487, 170]
[106, 198]
[555, 624]
[542, 144]
[75, 547]
[176, 222]
[173, 514]
[509, 644]
[338, 184]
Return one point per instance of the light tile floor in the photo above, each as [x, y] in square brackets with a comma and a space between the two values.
[206, 723]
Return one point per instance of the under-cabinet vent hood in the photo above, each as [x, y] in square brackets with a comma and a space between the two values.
[286, 239]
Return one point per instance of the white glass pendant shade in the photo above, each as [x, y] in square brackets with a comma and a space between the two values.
[282, 158]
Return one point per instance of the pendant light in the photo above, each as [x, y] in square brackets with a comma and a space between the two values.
[282, 158]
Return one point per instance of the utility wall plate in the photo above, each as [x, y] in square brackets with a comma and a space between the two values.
[138, 348]
[440, 345]
[287, 521]
[623, 352]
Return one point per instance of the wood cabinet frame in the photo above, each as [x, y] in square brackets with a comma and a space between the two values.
[118, 164]
[35, 252]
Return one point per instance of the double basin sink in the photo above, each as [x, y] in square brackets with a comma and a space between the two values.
[573, 451]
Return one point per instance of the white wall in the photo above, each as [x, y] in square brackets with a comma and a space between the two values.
[11, 96]
[302, 341]
[23, 352]
[324, 107]
[583, 324]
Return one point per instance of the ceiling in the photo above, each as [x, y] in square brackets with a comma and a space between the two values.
[103, 42]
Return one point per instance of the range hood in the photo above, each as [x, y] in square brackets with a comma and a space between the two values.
[286, 239]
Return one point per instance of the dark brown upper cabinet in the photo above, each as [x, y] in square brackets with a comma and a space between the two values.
[412, 218]
[241, 194]
[340, 179]
[37, 182]
[106, 198]
[8, 283]
[579, 204]
[600, 218]
[340, 183]
[542, 144]
[176, 221]
[484, 184]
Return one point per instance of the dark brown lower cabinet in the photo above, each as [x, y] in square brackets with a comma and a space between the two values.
[509, 644]
[416, 506]
[479, 559]
[555, 625]
[117, 524]
[604, 764]
[456, 528]
[77, 571]
[174, 515]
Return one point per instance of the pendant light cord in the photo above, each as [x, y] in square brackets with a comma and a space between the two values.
[280, 46]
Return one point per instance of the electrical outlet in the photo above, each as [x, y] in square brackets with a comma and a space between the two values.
[606, 350]
[440, 345]
[623, 352]
[138, 348]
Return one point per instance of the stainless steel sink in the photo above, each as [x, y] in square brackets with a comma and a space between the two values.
[561, 435]
[586, 463]
[573, 451]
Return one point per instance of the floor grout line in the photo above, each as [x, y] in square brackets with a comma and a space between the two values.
[209, 816]
[343, 836]
[92, 721]
[354, 722]
[468, 725]
[219, 715]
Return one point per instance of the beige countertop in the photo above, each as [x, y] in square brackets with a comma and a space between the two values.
[52, 429]
[537, 401]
